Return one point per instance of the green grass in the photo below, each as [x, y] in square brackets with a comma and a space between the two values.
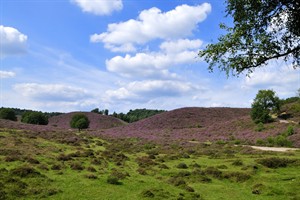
[215, 171]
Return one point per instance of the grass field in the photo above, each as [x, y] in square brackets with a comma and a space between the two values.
[80, 166]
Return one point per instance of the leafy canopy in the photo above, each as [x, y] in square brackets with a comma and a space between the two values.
[263, 30]
[79, 121]
[8, 113]
[34, 117]
[264, 103]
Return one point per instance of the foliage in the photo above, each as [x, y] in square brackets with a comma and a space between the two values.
[79, 121]
[260, 127]
[101, 112]
[19, 111]
[137, 114]
[275, 162]
[264, 103]
[262, 31]
[8, 113]
[34, 117]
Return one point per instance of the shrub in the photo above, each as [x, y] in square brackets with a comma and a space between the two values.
[77, 166]
[25, 171]
[260, 127]
[147, 194]
[142, 171]
[282, 141]
[182, 166]
[290, 130]
[119, 175]
[91, 176]
[34, 117]
[113, 180]
[237, 176]
[8, 113]
[260, 142]
[79, 121]
[145, 161]
[176, 181]
[213, 172]
[257, 188]
[91, 169]
[275, 162]
[237, 163]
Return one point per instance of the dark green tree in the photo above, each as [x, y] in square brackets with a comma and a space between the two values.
[265, 103]
[34, 117]
[8, 113]
[79, 121]
[262, 30]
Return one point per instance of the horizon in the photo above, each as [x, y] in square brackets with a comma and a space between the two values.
[119, 55]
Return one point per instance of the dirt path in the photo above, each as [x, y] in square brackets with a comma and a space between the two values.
[279, 149]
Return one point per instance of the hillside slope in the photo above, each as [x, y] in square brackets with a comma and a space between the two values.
[97, 121]
[200, 124]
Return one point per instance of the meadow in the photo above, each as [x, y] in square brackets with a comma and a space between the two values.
[80, 165]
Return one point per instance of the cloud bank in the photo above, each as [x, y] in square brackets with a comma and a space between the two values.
[153, 24]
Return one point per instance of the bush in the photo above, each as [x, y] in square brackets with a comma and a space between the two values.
[8, 113]
[79, 121]
[77, 166]
[25, 171]
[275, 162]
[237, 163]
[34, 117]
[290, 130]
[182, 166]
[214, 172]
[237, 176]
[147, 194]
[260, 127]
[113, 180]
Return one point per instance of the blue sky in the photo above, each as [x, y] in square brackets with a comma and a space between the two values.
[68, 55]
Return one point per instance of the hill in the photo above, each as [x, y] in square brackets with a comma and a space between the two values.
[97, 121]
[200, 125]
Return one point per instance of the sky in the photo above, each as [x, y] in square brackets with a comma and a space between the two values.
[77, 55]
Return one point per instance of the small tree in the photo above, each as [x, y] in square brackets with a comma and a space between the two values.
[265, 102]
[34, 117]
[8, 113]
[79, 121]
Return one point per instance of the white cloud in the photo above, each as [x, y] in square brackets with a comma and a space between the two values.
[152, 24]
[51, 92]
[13, 42]
[149, 89]
[7, 74]
[283, 79]
[99, 7]
[180, 45]
[156, 64]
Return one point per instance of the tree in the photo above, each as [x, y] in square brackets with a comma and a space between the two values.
[79, 121]
[8, 113]
[34, 117]
[263, 30]
[96, 110]
[265, 102]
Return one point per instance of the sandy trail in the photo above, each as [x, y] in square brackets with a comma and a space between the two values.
[278, 149]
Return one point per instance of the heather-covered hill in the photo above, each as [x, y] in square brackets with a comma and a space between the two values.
[97, 121]
[62, 123]
[200, 125]
[190, 117]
